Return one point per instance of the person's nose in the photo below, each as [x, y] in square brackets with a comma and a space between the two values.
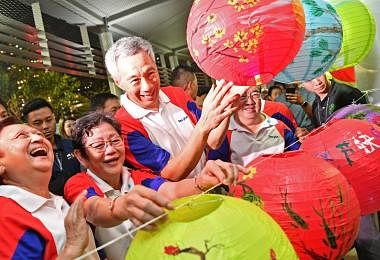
[316, 81]
[36, 137]
[45, 125]
[250, 100]
[109, 149]
[146, 85]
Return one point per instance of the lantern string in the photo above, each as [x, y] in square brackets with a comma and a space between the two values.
[130, 232]
[365, 93]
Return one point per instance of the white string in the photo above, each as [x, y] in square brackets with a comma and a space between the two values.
[130, 232]
[365, 93]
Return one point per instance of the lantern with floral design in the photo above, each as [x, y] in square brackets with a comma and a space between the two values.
[245, 41]
[309, 198]
[214, 227]
[322, 42]
[353, 147]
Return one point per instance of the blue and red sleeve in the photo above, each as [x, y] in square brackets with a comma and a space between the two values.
[22, 236]
[143, 154]
[224, 151]
[78, 183]
[147, 179]
[280, 112]
[291, 141]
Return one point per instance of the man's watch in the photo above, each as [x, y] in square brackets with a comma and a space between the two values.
[304, 104]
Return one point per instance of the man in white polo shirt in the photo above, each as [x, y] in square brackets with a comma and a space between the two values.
[163, 129]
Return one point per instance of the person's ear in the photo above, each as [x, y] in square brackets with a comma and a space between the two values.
[188, 87]
[2, 169]
[80, 158]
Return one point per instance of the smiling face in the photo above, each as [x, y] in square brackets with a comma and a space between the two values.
[26, 157]
[139, 79]
[105, 160]
[250, 104]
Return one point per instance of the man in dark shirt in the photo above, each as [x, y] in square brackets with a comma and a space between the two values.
[330, 96]
[38, 113]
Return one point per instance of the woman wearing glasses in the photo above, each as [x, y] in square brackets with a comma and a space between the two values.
[113, 193]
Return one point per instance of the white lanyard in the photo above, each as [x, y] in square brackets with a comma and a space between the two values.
[325, 111]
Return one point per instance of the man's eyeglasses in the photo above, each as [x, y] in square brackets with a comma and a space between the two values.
[102, 145]
[254, 95]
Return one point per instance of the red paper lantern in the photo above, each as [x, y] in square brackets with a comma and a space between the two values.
[247, 42]
[353, 147]
[309, 198]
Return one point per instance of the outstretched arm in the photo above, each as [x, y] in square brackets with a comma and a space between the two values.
[139, 205]
[213, 173]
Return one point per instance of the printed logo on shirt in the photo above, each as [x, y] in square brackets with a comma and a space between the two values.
[273, 136]
[331, 108]
[182, 119]
[70, 156]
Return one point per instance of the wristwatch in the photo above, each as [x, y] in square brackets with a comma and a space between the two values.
[304, 104]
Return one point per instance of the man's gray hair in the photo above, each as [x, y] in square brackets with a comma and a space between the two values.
[126, 46]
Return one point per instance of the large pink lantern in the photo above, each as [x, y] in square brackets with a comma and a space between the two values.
[309, 198]
[352, 146]
[247, 42]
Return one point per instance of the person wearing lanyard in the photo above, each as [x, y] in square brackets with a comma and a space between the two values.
[38, 113]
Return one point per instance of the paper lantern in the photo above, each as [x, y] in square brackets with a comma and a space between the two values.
[214, 227]
[346, 76]
[247, 42]
[309, 198]
[322, 42]
[358, 32]
[372, 61]
[367, 112]
[352, 146]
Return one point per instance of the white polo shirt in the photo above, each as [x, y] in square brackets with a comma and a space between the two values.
[51, 212]
[247, 146]
[117, 250]
[169, 127]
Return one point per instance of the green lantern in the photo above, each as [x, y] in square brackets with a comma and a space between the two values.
[214, 227]
[359, 31]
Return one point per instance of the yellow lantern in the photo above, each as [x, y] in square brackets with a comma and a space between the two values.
[359, 31]
[214, 227]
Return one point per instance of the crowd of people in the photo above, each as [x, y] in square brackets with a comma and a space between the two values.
[122, 164]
